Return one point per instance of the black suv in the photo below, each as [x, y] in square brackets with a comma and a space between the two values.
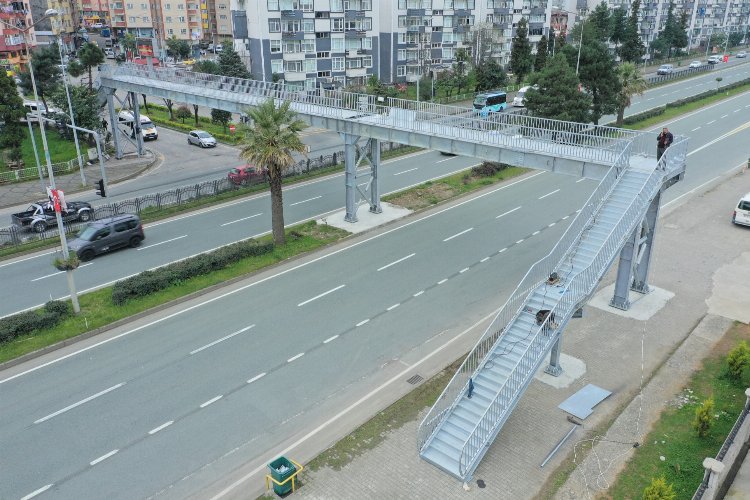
[107, 234]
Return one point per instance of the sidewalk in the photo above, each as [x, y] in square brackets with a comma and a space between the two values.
[117, 171]
[699, 271]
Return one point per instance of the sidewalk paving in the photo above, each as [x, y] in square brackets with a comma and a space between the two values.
[700, 257]
[20, 193]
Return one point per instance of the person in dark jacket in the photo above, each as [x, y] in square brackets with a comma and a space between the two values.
[663, 141]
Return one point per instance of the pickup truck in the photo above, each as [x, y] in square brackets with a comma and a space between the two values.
[41, 215]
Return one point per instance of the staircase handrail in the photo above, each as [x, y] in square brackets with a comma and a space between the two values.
[537, 273]
[591, 274]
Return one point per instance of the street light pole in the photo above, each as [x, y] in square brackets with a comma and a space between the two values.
[72, 118]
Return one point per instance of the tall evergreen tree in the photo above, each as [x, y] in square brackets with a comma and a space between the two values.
[231, 64]
[665, 40]
[632, 48]
[601, 19]
[560, 41]
[46, 73]
[541, 54]
[597, 73]
[521, 61]
[90, 55]
[618, 25]
[490, 75]
[11, 113]
[557, 95]
[551, 42]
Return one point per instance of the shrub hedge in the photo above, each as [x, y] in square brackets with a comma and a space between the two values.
[149, 282]
[488, 169]
[26, 322]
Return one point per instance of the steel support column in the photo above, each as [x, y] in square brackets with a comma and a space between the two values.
[113, 123]
[350, 175]
[646, 246]
[137, 135]
[554, 368]
[625, 271]
[374, 166]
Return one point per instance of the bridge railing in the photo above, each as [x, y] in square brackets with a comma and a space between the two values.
[577, 288]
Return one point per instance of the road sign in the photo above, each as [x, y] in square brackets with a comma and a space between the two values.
[232, 128]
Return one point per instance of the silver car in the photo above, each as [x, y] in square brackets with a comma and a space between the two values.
[201, 138]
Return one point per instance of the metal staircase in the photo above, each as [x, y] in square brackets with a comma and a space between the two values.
[458, 430]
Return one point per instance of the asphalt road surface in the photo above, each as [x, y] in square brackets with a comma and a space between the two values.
[173, 402]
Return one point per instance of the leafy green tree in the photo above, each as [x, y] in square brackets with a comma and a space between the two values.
[521, 61]
[207, 66]
[631, 83]
[11, 113]
[632, 48]
[129, 43]
[596, 72]
[673, 36]
[659, 489]
[561, 41]
[75, 69]
[45, 62]
[85, 105]
[557, 96]
[460, 69]
[178, 48]
[617, 26]
[601, 19]
[221, 117]
[183, 112]
[704, 418]
[425, 88]
[378, 88]
[231, 64]
[90, 55]
[541, 54]
[269, 143]
[490, 75]
[551, 44]
[738, 360]
[735, 38]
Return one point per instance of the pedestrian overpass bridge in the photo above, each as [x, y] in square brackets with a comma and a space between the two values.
[618, 219]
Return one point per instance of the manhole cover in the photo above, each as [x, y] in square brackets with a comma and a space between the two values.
[415, 379]
[480, 483]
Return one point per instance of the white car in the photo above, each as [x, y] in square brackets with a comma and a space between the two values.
[201, 138]
[741, 214]
[695, 64]
[97, 26]
[741, 55]
[109, 53]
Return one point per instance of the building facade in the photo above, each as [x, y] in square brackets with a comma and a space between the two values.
[12, 42]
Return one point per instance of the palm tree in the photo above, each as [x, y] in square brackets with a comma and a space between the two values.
[632, 83]
[269, 143]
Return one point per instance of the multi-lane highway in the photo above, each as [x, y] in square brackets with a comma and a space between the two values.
[168, 405]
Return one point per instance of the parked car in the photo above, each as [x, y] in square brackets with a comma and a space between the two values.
[741, 214]
[41, 215]
[695, 64]
[742, 54]
[714, 59]
[665, 69]
[106, 235]
[109, 53]
[201, 138]
[97, 26]
[520, 99]
[249, 174]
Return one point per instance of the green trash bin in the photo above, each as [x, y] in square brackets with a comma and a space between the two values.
[281, 470]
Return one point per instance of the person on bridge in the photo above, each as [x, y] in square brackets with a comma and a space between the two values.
[663, 141]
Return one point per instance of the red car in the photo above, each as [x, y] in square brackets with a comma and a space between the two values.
[249, 174]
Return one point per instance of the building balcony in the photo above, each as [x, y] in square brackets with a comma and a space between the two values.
[293, 35]
[415, 12]
[502, 11]
[295, 76]
[353, 14]
[355, 72]
[294, 56]
[415, 29]
[355, 34]
[291, 14]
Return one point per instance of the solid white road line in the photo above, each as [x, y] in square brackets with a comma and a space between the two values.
[162, 242]
[548, 194]
[508, 212]
[59, 272]
[103, 457]
[330, 339]
[161, 427]
[212, 400]
[457, 234]
[394, 306]
[37, 492]
[404, 171]
[305, 201]
[240, 220]
[221, 339]
[362, 322]
[297, 356]
[257, 377]
[321, 295]
[83, 401]
[396, 261]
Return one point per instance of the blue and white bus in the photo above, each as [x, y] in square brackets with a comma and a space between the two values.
[490, 102]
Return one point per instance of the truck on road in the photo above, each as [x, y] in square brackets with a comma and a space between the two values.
[41, 215]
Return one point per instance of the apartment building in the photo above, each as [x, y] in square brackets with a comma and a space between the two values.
[132, 16]
[89, 12]
[12, 43]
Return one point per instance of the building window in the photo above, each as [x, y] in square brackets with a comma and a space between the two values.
[180, 6]
[290, 26]
[337, 63]
[222, 16]
[277, 66]
[181, 19]
[183, 31]
[308, 46]
[292, 47]
[273, 4]
[275, 46]
[170, 31]
[337, 5]
[400, 70]
[274, 26]
[131, 19]
[168, 19]
[367, 61]
[293, 66]
[146, 19]
[322, 34]
[130, 6]
[308, 25]
[322, 15]
[337, 44]
[324, 74]
[144, 6]
[337, 24]
[311, 65]
[367, 43]
[401, 55]
[323, 55]
[307, 5]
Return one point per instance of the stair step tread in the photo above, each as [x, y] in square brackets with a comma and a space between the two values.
[442, 460]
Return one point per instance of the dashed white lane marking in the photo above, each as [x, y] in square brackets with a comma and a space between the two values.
[59, 272]
[330, 339]
[321, 295]
[485, 259]
[305, 201]
[418, 293]
[103, 457]
[37, 492]
[552, 224]
[463, 270]
[394, 306]
[725, 116]
[736, 111]
[447, 159]
[295, 357]
[535, 233]
[212, 401]
[508, 212]
[162, 242]
[221, 340]
[257, 377]
[442, 281]
[696, 128]
[404, 171]
[504, 249]
[240, 220]
[712, 121]
[519, 241]
[83, 401]
[565, 217]
[362, 322]
[396, 262]
[161, 427]
[457, 234]
[548, 194]
[580, 180]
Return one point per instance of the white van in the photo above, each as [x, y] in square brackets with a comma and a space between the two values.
[148, 129]
[520, 100]
[741, 214]
[31, 110]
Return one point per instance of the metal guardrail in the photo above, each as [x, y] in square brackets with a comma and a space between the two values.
[32, 172]
[583, 142]
[679, 73]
